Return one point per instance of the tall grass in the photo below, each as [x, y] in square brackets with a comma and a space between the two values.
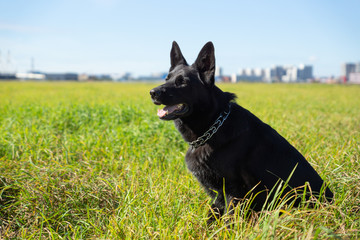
[92, 160]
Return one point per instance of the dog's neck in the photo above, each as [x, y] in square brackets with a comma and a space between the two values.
[191, 130]
[200, 121]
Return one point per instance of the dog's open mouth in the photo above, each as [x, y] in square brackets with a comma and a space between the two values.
[173, 111]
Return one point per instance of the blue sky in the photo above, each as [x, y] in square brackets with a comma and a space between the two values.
[110, 36]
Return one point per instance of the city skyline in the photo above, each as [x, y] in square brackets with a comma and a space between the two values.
[122, 36]
[275, 73]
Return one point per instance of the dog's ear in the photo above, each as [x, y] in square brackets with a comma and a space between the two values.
[176, 56]
[205, 64]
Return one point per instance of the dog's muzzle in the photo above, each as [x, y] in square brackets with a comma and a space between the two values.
[156, 94]
[172, 110]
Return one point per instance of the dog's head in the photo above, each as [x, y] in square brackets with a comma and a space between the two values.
[186, 88]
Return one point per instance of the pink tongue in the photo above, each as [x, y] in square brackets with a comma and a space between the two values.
[161, 113]
[166, 110]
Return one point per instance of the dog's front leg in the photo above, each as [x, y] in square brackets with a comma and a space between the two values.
[215, 213]
[231, 204]
[217, 209]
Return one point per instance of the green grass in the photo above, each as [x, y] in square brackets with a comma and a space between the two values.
[92, 160]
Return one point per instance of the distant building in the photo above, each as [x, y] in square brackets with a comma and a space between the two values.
[97, 77]
[304, 73]
[248, 75]
[31, 76]
[350, 72]
[83, 77]
[354, 78]
[259, 72]
[153, 77]
[291, 74]
[267, 75]
[127, 76]
[220, 77]
[249, 72]
[233, 78]
[226, 79]
[357, 67]
[7, 76]
[218, 72]
[346, 69]
[277, 72]
[274, 74]
[62, 76]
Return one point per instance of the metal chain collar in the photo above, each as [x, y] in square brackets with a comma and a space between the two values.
[212, 130]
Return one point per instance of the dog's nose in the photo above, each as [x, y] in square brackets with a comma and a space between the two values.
[154, 93]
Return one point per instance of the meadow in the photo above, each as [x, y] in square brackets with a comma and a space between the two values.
[93, 161]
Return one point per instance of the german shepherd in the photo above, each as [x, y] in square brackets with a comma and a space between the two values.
[232, 153]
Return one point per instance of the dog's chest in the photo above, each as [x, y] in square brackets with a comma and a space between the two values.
[199, 163]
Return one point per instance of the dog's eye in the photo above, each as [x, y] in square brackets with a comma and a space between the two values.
[180, 81]
[168, 77]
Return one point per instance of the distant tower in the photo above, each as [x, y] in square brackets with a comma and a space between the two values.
[32, 65]
[218, 72]
[8, 62]
[10, 65]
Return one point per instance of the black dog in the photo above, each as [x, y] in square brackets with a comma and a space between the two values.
[232, 152]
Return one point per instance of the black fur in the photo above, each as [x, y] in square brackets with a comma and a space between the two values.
[244, 155]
